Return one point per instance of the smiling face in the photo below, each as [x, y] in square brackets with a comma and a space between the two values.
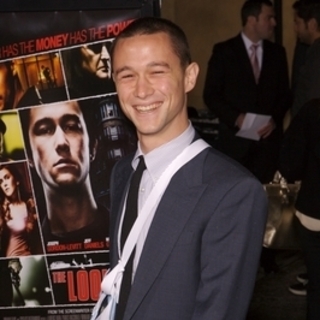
[8, 183]
[59, 143]
[152, 86]
[96, 60]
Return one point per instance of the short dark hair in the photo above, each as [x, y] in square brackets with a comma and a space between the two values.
[307, 10]
[253, 8]
[153, 25]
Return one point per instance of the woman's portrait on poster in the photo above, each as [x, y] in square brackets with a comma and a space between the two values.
[19, 229]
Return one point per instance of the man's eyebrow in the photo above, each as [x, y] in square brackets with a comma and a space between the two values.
[159, 64]
[42, 121]
[64, 118]
[68, 116]
[125, 68]
[149, 65]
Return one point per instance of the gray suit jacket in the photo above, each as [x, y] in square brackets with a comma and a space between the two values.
[201, 254]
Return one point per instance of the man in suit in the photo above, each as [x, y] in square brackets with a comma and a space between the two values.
[232, 90]
[300, 160]
[197, 253]
[305, 89]
[307, 27]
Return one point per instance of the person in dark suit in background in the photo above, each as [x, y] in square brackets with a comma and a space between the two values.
[305, 76]
[300, 161]
[231, 89]
[196, 256]
[307, 28]
[299, 58]
[238, 82]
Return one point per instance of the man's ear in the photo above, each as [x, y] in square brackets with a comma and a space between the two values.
[191, 75]
[93, 149]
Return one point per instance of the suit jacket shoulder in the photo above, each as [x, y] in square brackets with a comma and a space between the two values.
[229, 44]
[236, 43]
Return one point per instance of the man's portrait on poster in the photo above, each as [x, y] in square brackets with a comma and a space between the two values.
[88, 69]
[60, 150]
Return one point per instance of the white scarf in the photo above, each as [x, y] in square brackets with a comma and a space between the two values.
[111, 283]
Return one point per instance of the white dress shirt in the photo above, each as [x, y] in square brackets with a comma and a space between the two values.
[248, 43]
[156, 162]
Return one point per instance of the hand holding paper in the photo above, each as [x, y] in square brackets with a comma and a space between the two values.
[252, 124]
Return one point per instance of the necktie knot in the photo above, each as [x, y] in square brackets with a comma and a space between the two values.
[141, 167]
[254, 47]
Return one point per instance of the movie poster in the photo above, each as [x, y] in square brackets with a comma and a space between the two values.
[61, 132]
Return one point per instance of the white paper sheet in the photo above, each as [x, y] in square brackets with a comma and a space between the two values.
[252, 123]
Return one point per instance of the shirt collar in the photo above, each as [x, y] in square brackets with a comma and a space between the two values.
[248, 43]
[158, 159]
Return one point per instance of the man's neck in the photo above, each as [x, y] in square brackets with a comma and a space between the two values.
[70, 211]
[151, 142]
[251, 35]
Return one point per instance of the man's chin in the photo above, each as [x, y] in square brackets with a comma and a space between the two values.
[67, 182]
[68, 188]
[70, 182]
[103, 75]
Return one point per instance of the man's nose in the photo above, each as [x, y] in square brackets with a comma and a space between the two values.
[104, 52]
[60, 140]
[143, 87]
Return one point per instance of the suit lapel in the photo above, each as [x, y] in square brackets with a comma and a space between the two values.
[120, 183]
[266, 62]
[243, 58]
[173, 212]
